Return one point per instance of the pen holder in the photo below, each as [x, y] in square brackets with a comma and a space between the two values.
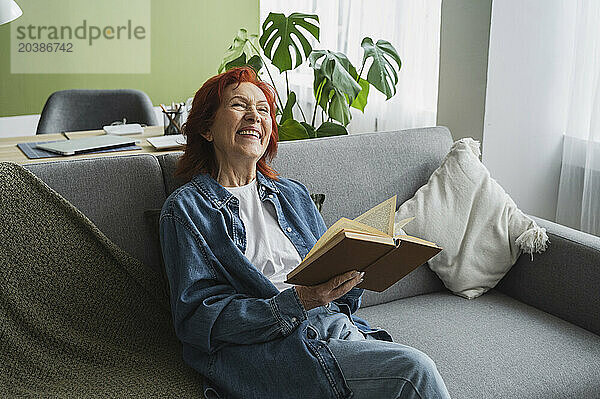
[173, 120]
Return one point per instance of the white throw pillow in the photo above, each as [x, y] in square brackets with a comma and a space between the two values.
[466, 212]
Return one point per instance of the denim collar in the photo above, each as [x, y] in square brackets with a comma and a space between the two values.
[219, 195]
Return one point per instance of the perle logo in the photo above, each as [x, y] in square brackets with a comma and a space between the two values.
[83, 32]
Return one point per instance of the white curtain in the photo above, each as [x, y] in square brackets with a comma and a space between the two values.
[413, 28]
[579, 189]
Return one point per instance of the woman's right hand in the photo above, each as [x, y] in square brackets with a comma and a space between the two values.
[318, 295]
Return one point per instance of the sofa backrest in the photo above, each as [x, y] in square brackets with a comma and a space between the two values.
[359, 171]
[114, 193]
[356, 172]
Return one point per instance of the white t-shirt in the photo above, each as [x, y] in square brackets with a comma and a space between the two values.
[267, 247]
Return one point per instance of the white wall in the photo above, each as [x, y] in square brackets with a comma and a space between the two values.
[531, 46]
[22, 125]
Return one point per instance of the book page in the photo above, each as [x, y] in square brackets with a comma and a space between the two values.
[416, 240]
[343, 223]
[380, 217]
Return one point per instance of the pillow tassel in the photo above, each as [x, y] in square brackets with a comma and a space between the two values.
[533, 240]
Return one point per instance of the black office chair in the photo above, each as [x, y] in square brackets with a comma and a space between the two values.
[73, 110]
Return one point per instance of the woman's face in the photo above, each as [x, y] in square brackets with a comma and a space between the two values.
[242, 126]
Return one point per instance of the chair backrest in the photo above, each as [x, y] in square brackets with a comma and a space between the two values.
[73, 110]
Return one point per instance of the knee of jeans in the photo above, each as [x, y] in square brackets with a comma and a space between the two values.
[421, 361]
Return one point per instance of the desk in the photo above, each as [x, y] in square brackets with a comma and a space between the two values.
[10, 152]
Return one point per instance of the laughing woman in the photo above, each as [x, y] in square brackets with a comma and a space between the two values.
[229, 238]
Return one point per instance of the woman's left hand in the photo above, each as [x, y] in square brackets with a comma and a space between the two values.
[318, 295]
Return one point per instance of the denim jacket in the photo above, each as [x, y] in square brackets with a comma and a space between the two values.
[238, 330]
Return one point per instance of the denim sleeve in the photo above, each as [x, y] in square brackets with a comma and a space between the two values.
[352, 298]
[207, 312]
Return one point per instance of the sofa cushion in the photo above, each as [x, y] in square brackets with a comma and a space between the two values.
[466, 212]
[168, 163]
[113, 192]
[495, 346]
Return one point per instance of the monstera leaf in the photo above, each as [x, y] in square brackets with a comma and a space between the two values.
[335, 83]
[244, 47]
[382, 73]
[331, 99]
[321, 89]
[309, 129]
[331, 129]
[287, 111]
[292, 130]
[279, 27]
[338, 70]
[360, 102]
[255, 62]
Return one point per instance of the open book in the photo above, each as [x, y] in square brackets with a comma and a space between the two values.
[367, 244]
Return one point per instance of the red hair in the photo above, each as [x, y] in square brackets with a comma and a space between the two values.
[199, 154]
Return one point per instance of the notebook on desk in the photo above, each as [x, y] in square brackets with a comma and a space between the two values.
[87, 144]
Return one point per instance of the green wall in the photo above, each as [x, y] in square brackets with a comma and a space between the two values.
[203, 29]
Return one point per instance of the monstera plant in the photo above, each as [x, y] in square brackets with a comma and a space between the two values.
[337, 85]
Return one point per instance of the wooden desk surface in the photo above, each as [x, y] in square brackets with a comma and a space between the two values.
[10, 152]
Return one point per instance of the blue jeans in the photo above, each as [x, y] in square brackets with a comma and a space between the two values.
[376, 369]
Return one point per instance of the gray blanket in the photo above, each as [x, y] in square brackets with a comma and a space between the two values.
[79, 317]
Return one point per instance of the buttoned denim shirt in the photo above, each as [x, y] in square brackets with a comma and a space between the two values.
[247, 338]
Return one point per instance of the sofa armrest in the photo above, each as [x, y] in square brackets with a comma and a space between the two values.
[564, 280]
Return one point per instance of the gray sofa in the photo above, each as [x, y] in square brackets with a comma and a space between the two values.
[536, 335]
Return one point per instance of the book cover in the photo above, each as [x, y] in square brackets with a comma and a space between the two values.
[367, 244]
